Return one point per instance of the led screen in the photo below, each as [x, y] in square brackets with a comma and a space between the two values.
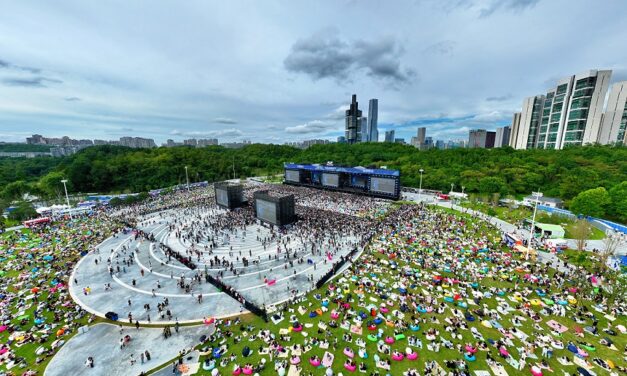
[331, 180]
[384, 185]
[266, 210]
[222, 197]
[292, 175]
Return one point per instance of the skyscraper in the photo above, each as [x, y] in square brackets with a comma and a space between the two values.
[353, 122]
[373, 118]
[364, 134]
[614, 125]
[421, 133]
[389, 136]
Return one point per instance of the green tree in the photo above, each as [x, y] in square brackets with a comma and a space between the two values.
[618, 206]
[15, 190]
[51, 185]
[23, 210]
[592, 202]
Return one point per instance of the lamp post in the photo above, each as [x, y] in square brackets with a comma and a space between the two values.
[187, 178]
[537, 196]
[67, 198]
[420, 187]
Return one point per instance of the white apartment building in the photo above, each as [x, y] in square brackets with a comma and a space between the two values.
[614, 124]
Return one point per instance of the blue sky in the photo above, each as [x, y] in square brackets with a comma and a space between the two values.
[277, 71]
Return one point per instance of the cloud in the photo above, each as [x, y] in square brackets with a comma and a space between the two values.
[4, 64]
[507, 5]
[315, 126]
[327, 56]
[221, 120]
[499, 98]
[30, 82]
[444, 47]
[72, 99]
[7, 65]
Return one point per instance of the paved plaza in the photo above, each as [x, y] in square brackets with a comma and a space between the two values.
[142, 274]
[102, 343]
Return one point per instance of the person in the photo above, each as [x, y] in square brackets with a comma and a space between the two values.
[137, 324]
[147, 355]
[89, 363]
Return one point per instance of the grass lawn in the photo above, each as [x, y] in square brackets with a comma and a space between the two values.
[501, 212]
[376, 265]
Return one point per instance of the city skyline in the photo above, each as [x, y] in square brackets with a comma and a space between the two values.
[136, 79]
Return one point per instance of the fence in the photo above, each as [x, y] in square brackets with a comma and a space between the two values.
[601, 224]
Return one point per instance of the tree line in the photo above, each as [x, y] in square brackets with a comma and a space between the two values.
[557, 173]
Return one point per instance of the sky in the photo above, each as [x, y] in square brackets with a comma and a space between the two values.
[284, 71]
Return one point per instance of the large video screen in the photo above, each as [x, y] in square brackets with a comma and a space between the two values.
[222, 197]
[330, 180]
[266, 210]
[385, 185]
[292, 175]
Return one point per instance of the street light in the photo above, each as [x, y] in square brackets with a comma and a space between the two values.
[420, 187]
[67, 198]
[537, 196]
[452, 186]
[187, 178]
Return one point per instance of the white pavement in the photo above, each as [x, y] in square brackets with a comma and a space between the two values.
[102, 342]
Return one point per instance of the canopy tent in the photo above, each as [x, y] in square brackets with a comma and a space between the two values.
[551, 231]
[524, 250]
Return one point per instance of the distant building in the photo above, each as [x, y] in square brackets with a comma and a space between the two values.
[236, 145]
[428, 143]
[439, 144]
[546, 201]
[203, 142]
[480, 138]
[513, 137]
[421, 135]
[353, 122]
[399, 140]
[137, 142]
[190, 142]
[372, 122]
[502, 136]
[35, 139]
[341, 139]
[24, 154]
[364, 135]
[389, 136]
[614, 124]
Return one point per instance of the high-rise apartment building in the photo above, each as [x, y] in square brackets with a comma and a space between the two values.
[513, 137]
[569, 114]
[614, 124]
[372, 122]
[502, 136]
[353, 122]
[530, 122]
[389, 136]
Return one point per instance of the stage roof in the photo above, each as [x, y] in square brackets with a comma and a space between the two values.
[351, 170]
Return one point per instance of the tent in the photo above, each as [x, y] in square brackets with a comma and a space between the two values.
[551, 231]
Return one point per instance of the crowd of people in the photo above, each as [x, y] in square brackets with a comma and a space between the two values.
[434, 292]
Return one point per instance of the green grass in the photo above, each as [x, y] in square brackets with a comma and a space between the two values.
[503, 213]
[238, 340]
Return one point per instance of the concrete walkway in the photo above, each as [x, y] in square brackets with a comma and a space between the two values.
[102, 342]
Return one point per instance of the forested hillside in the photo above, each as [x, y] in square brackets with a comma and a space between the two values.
[557, 173]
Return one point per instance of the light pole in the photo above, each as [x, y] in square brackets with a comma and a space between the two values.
[452, 186]
[187, 178]
[67, 198]
[536, 195]
[420, 187]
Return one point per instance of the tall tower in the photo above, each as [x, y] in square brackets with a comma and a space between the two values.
[353, 122]
[373, 118]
